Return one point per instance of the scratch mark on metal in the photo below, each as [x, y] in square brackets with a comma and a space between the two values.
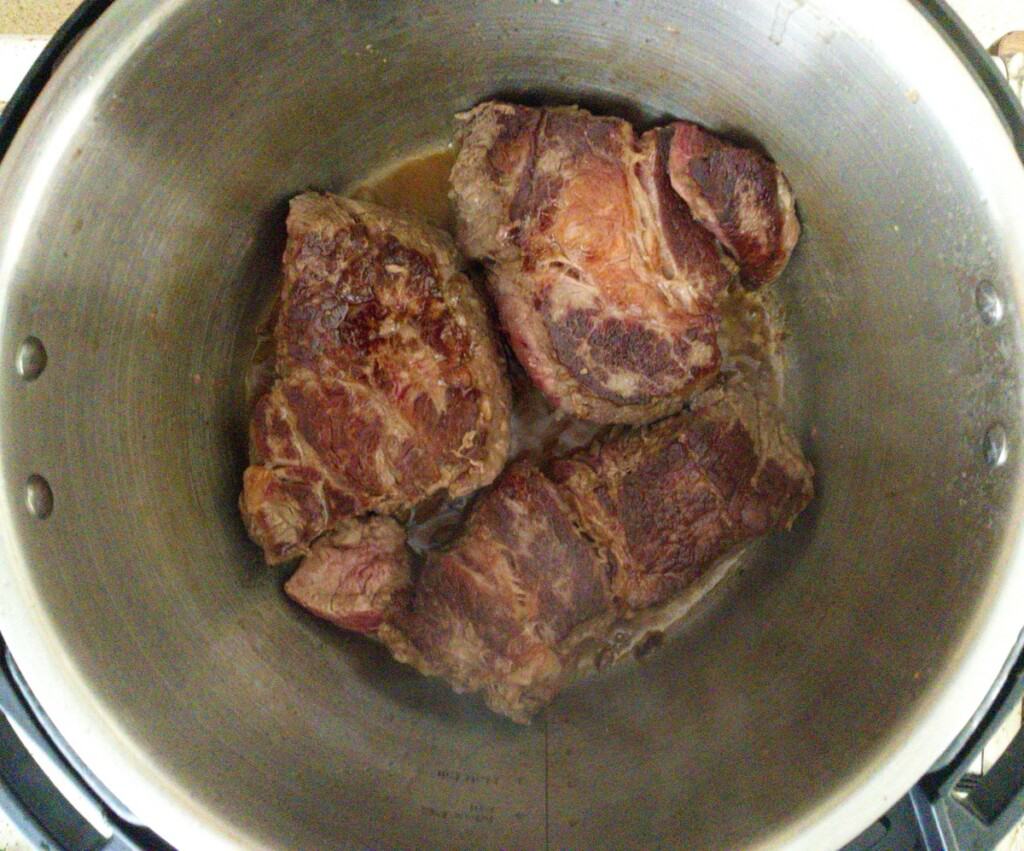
[783, 12]
[547, 790]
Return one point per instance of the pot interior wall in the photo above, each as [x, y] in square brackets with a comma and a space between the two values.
[142, 212]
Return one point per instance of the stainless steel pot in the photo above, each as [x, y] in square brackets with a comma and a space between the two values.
[141, 209]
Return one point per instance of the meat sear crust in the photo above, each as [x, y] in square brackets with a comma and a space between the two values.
[549, 561]
[607, 251]
[667, 500]
[604, 282]
[390, 383]
[354, 574]
[742, 197]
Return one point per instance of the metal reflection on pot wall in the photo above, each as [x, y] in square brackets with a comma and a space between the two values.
[832, 671]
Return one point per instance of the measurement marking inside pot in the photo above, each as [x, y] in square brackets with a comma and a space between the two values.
[547, 787]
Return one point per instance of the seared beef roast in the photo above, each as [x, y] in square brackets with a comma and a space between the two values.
[390, 383]
[740, 196]
[607, 254]
[666, 500]
[605, 282]
[550, 561]
[352, 575]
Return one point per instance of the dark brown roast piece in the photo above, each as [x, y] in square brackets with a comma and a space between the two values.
[549, 561]
[603, 249]
[390, 383]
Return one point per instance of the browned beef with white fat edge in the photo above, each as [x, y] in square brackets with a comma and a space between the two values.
[550, 560]
[603, 251]
[390, 382]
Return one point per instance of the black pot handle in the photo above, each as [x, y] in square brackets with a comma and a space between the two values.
[951, 809]
[970, 811]
[49, 795]
[975, 57]
[29, 796]
[42, 69]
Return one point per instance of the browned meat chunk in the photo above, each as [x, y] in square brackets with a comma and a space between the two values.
[353, 576]
[390, 384]
[667, 500]
[498, 612]
[549, 563]
[740, 195]
[604, 282]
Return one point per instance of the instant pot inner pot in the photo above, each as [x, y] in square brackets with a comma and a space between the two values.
[142, 211]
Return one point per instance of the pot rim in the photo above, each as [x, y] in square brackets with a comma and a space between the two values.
[840, 817]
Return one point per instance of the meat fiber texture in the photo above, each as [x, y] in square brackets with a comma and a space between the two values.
[607, 251]
[390, 383]
[551, 559]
